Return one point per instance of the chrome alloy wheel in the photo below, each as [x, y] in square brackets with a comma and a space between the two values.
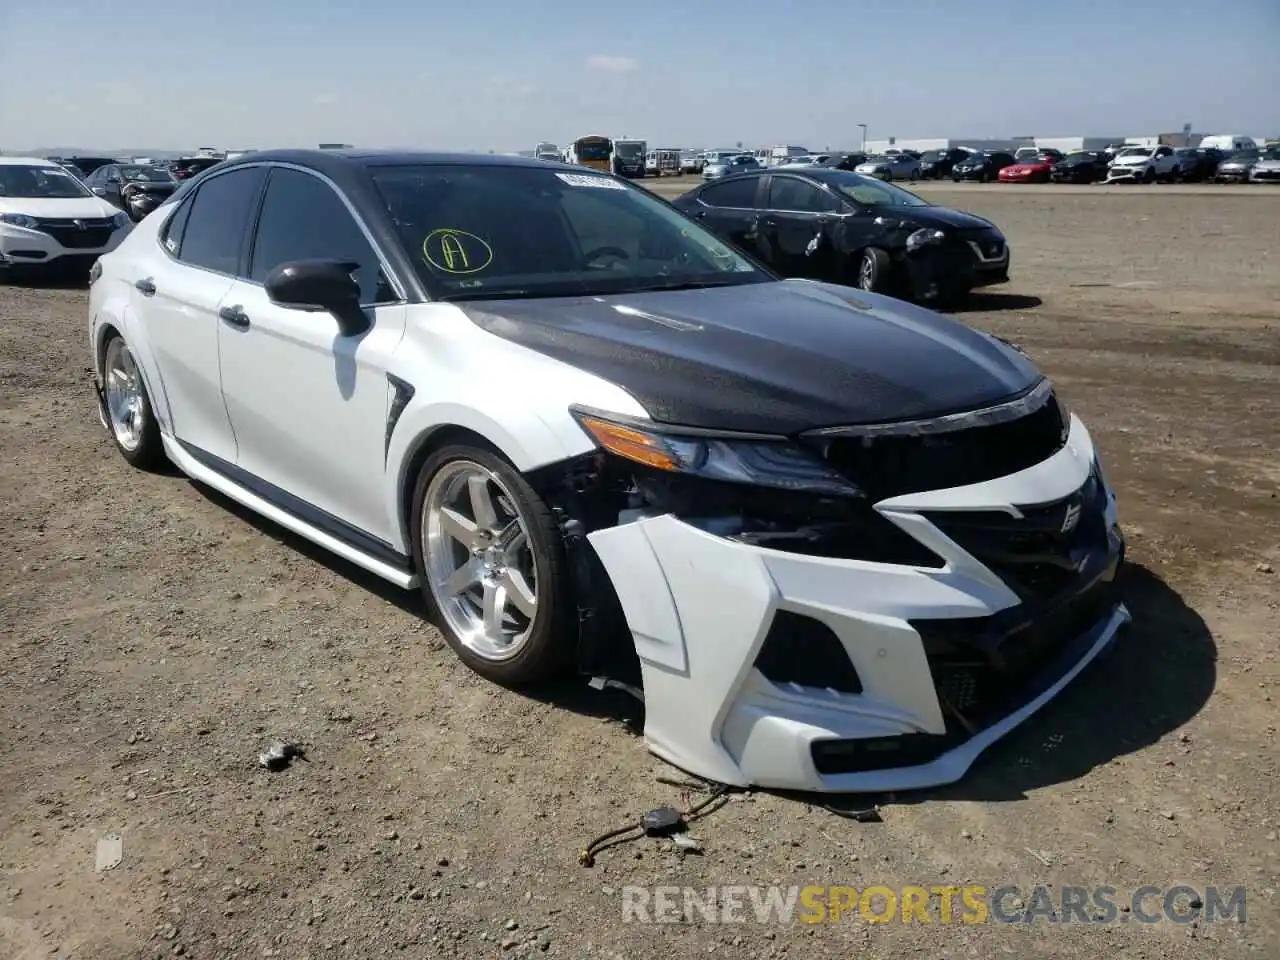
[866, 273]
[125, 404]
[480, 566]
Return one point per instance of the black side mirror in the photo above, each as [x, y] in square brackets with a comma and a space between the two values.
[320, 285]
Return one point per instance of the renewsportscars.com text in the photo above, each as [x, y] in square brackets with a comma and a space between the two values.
[968, 904]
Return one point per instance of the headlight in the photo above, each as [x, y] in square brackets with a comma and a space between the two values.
[924, 237]
[757, 462]
[19, 220]
[121, 219]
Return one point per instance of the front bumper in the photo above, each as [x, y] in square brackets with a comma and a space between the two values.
[21, 247]
[1264, 176]
[1231, 176]
[946, 271]
[704, 609]
[1126, 173]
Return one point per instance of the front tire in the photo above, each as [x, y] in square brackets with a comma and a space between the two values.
[873, 270]
[129, 415]
[492, 566]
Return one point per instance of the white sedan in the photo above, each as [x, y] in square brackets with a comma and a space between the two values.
[834, 541]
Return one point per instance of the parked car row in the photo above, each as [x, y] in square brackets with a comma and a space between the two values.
[1116, 164]
[1133, 164]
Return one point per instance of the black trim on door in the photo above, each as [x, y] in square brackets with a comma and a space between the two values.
[310, 514]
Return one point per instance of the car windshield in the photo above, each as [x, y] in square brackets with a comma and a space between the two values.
[629, 151]
[479, 232]
[870, 192]
[1081, 155]
[29, 182]
[145, 174]
[1135, 152]
[976, 157]
[1244, 155]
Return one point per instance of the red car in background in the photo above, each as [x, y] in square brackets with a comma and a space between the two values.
[1034, 169]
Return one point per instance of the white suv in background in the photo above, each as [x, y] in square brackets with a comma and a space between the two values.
[1144, 164]
[49, 219]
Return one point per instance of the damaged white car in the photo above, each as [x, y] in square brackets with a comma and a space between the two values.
[836, 542]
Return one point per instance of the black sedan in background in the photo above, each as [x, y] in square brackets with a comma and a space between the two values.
[1196, 165]
[982, 166]
[134, 188]
[843, 161]
[936, 164]
[845, 228]
[1080, 166]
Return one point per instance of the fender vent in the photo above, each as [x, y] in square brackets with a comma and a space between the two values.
[806, 652]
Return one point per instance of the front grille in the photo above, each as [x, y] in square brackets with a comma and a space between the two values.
[889, 466]
[984, 668]
[95, 233]
[1041, 554]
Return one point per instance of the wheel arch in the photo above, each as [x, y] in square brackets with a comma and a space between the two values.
[527, 445]
[107, 323]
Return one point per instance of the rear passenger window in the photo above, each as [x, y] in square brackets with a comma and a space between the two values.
[731, 193]
[172, 238]
[214, 235]
[303, 218]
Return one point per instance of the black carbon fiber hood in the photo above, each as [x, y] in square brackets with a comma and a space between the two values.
[778, 357]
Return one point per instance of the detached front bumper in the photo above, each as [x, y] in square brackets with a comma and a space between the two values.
[711, 618]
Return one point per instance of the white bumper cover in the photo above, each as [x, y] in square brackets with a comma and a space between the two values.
[700, 606]
[25, 246]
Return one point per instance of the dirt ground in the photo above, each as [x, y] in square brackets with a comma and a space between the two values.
[154, 638]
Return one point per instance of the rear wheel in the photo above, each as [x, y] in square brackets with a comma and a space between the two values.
[492, 566]
[128, 413]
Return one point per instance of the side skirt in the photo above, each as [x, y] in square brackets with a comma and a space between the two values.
[288, 511]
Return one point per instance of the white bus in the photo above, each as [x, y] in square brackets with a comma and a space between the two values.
[628, 157]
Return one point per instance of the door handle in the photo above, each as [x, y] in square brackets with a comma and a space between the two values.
[146, 287]
[235, 316]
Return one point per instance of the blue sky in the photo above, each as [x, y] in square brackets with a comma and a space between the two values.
[506, 73]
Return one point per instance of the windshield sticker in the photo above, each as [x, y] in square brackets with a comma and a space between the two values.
[456, 251]
[586, 180]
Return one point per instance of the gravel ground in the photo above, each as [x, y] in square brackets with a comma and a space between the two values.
[154, 638]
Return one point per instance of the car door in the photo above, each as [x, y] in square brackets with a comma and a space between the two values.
[112, 183]
[795, 227]
[179, 290]
[308, 405]
[98, 183]
[728, 208]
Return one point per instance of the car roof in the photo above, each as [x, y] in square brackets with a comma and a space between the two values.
[327, 161]
[29, 161]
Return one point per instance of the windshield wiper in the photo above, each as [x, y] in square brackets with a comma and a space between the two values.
[690, 285]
